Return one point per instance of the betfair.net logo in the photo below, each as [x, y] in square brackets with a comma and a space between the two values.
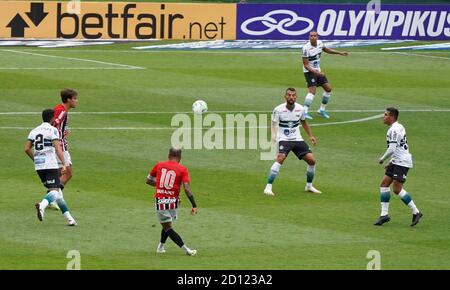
[116, 20]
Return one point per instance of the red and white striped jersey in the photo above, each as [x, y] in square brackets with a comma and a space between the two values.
[61, 123]
[169, 177]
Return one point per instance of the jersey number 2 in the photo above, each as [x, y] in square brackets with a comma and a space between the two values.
[39, 142]
[167, 178]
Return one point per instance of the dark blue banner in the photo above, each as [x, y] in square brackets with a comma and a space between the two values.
[343, 21]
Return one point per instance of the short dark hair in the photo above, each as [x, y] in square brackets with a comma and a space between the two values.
[393, 112]
[47, 115]
[68, 94]
[174, 152]
[290, 89]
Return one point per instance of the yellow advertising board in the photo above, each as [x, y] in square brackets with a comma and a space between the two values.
[117, 20]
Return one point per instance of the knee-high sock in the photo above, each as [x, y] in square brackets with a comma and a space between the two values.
[309, 98]
[273, 173]
[64, 208]
[310, 170]
[164, 236]
[407, 199]
[48, 198]
[385, 196]
[173, 235]
[325, 98]
[62, 205]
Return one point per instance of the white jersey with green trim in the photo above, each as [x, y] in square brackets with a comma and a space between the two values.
[288, 122]
[401, 156]
[313, 54]
[42, 138]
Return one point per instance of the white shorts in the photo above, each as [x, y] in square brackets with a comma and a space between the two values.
[66, 158]
[166, 216]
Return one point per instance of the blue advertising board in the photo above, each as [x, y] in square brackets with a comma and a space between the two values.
[343, 21]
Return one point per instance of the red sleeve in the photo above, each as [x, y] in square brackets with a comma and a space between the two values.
[185, 178]
[154, 171]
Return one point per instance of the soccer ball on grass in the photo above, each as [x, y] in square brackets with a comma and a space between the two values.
[199, 107]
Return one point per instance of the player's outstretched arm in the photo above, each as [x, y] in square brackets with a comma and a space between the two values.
[188, 191]
[333, 51]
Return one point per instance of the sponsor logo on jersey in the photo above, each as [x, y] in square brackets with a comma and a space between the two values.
[166, 200]
[39, 160]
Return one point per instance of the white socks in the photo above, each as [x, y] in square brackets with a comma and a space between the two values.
[308, 101]
[185, 249]
[68, 216]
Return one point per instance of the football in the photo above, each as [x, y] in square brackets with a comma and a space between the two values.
[199, 107]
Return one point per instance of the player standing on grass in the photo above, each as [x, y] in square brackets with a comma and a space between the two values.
[288, 117]
[44, 148]
[69, 100]
[167, 177]
[397, 169]
[314, 77]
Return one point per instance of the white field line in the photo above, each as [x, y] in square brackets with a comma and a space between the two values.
[66, 68]
[377, 116]
[74, 58]
[421, 55]
[230, 112]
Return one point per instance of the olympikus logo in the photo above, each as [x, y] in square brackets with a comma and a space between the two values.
[352, 23]
[383, 24]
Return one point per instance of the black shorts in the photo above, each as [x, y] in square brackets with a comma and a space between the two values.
[313, 81]
[49, 177]
[300, 148]
[397, 172]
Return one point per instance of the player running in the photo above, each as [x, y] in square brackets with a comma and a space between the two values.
[44, 148]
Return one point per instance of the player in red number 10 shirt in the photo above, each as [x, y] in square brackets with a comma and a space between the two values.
[167, 177]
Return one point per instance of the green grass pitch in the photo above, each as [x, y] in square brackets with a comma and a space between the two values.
[237, 226]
